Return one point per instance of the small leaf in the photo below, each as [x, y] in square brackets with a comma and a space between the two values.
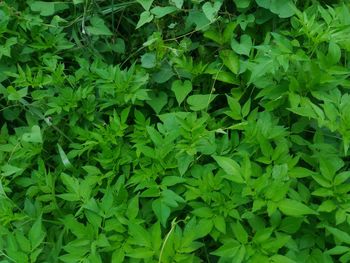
[149, 60]
[177, 3]
[146, 4]
[64, 157]
[210, 10]
[145, 18]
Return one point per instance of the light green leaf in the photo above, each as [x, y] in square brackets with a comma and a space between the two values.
[45, 8]
[161, 210]
[181, 89]
[64, 157]
[183, 162]
[34, 136]
[220, 224]
[157, 101]
[149, 60]
[294, 208]
[160, 11]
[200, 102]
[210, 10]
[8, 169]
[281, 259]
[283, 8]
[340, 235]
[146, 4]
[230, 167]
[145, 18]
[235, 108]
[230, 60]
[177, 3]
[36, 234]
[244, 47]
[241, 4]
[98, 27]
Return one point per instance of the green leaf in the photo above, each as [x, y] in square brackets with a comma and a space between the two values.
[220, 224]
[149, 60]
[235, 108]
[184, 160]
[160, 11]
[294, 208]
[140, 236]
[210, 10]
[16, 94]
[177, 3]
[8, 170]
[283, 8]
[36, 234]
[200, 102]
[140, 253]
[244, 47]
[240, 233]
[146, 4]
[64, 158]
[230, 60]
[133, 208]
[157, 101]
[98, 27]
[34, 136]
[281, 259]
[181, 89]
[230, 167]
[334, 53]
[161, 210]
[242, 4]
[145, 18]
[45, 8]
[340, 235]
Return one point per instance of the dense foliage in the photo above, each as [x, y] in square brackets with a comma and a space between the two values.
[174, 131]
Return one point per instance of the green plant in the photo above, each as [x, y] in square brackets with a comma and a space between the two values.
[174, 131]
